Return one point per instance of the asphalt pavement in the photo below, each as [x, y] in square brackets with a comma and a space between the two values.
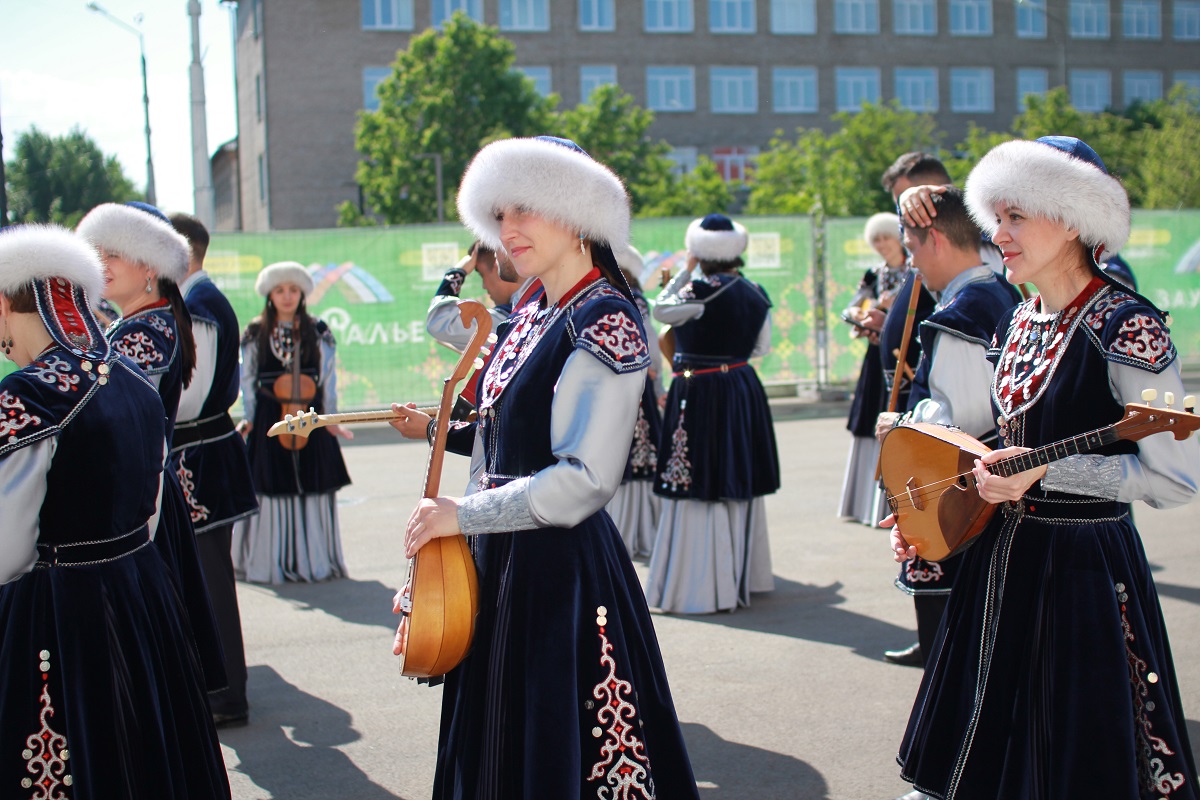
[786, 700]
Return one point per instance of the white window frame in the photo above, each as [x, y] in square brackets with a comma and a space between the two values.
[1186, 20]
[542, 77]
[914, 17]
[597, 15]
[741, 161]
[1031, 19]
[970, 17]
[372, 77]
[683, 159]
[916, 88]
[1190, 79]
[856, 16]
[440, 11]
[590, 83]
[731, 16]
[855, 86]
[794, 17]
[668, 16]
[667, 84]
[1090, 89]
[972, 90]
[1031, 81]
[795, 90]
[1141, 84]
[525, 15]
[733, 90]
[401, 12]
[1141, 19]
[1089, 19]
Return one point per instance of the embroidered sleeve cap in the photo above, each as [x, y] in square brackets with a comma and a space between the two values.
[149, 341]
[1132, 333]
[610, 328]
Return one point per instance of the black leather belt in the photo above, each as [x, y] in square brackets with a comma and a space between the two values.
[199, 430]
[81, 554]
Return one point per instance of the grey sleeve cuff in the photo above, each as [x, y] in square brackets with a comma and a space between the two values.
[1089, 475]
[505, 508]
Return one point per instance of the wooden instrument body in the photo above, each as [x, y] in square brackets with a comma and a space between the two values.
[938, 513]
[294, 391]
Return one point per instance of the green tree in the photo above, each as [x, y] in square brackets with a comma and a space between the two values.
[449, 93]
[60, 178]
[699, 192]
[1167, 149]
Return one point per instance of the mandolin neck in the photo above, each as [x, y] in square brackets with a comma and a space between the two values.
[1076, 445]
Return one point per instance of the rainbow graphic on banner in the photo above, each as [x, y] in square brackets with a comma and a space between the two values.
[358, 285]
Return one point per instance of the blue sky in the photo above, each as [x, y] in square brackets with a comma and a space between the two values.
[62, 66]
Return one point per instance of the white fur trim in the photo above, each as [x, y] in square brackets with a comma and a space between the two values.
[30, 253]
[884, 224]
[138, 236]
[1045, 182]
[716, 245]
[284, 272]
[553, 181]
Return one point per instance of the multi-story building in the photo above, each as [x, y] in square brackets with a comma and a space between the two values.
[721, 75]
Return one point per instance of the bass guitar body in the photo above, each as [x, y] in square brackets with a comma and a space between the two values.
[444, 591]
[926, 471]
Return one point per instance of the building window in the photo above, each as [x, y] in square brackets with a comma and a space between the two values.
[668, 16]
[683, 159]
[856, 16]
[258, 97]
[971, 17]
[733, 90]
[1142, 19]
[855, 86]
[1191, 80]
[671, 88]
[262, 179]
[372, 77]
[596, 15]
[524, 15]
[971, 90]
[540, 77]
[1091, 89]
[442, 10]
[387, 15]
[731, 16]
[256, 17]
[1031, 81]
[1089, 19]
[734, 163]
[1187, 20]
[915, 17]
[917, 88]
[593, 76]
[1143, 85]
[1031, 19]
[794, 16]
[794, 90]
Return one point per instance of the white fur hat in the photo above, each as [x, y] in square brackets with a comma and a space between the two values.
[138, 232]
[30, 253]
[884, 224]
[630, 258]
[552, 177]
[716, 238]
[1058, 178]
[284, 272]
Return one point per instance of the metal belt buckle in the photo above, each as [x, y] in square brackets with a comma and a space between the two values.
[724, 368]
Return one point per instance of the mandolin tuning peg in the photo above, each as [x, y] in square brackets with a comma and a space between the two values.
[477, 363]
[1149, 395]
[1169, 398]
[1189, 403]
[491, 338]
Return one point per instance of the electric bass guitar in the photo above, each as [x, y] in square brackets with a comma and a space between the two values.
[926, 471]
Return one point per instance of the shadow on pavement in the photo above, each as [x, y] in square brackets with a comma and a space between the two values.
[1193, 729]
[290, 747]
[1188, 594]
[731, 771]
[359, 602]
[805, 611]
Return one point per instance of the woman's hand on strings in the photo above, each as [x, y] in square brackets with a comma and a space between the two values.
[901, 550]
[999, 489]
[411, 423]
[433, 517]
[401, 640]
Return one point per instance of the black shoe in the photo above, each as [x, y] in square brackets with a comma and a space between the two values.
[908, 657]
[231, 719]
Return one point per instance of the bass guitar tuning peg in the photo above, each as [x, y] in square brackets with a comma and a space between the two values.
[1189, 404]
[1169, 398]
[1149, 395]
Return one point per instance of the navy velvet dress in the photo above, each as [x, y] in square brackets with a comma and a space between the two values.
[101, 689]
[563, 694]
[1052, 674]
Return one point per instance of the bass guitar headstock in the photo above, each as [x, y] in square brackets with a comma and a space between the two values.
[1142, 420]
[301, 424]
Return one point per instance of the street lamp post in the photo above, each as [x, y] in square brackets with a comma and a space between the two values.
[137, 31]
[437, 167]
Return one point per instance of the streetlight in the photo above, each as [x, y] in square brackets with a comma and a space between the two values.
[437, 166]
[93, 6]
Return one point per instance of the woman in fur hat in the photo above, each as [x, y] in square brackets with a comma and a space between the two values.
[717, 458]
[101, 694]
[295, 536]
[145, 260]
[563, 694]
[860, 500]
[1052, 675]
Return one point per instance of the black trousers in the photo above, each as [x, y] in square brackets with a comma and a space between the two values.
[213, 548]
[930, 608]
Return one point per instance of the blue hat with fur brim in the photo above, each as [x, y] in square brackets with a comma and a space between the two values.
[716, 238]
[140, 233]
